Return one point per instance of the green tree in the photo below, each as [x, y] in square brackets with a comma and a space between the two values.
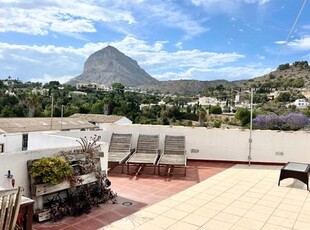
[284, 97]
[118, 87]
[216, 109]
[243, 115]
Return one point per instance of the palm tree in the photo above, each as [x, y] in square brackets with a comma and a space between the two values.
[106, 106]
[32, 101]
[201, 116]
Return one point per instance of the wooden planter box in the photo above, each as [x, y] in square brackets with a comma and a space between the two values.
[43, 215]
[44, 189]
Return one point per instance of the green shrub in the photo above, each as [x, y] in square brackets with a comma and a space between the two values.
[52, 170]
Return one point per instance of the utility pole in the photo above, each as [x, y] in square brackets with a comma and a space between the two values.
[62, 114]
[52, 110]
[251, 127]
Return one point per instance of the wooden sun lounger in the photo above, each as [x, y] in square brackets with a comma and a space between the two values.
[147, 151]
[174, 154]
[119, 149]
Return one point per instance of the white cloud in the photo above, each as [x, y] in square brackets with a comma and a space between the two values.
[227, 73]
[179, 45]
[80, 16]
[300, 44]
[261, 57]
[47, 78]
[38, 18]
[225, 6]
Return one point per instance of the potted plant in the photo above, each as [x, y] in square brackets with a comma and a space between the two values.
[52, 170]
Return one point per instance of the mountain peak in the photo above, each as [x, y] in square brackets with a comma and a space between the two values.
[109, 65]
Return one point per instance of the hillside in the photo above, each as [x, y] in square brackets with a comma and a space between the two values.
[183, 87]
[296, 75]
[109, 65]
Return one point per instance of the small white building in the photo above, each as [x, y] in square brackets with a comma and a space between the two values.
[101, 120]
[16, 134]
[301, 103]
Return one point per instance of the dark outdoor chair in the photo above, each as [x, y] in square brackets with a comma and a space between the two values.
[147, 151]
[174, 154]
[10, 200]
[119, 149]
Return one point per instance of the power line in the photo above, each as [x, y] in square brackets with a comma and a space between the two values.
[291, 30]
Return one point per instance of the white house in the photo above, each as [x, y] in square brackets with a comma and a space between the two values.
[16, 133]
[101, 120]
[301, 103]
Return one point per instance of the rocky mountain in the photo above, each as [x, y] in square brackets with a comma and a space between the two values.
[109, 65]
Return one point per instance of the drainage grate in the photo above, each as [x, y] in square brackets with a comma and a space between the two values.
[127, 203]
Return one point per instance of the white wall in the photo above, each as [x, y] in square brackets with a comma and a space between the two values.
[46, 141]
[12, 141]
[123, 121]
[229, 144]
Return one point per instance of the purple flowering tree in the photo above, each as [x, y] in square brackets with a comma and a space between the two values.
[292, 121]
[295, 121]
[273, 122]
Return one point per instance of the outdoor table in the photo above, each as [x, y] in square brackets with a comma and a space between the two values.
[25, 212]
[299, 171]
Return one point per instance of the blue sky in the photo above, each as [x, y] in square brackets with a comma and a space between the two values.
[44, 40]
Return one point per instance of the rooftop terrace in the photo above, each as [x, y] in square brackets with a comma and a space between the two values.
[212, 196]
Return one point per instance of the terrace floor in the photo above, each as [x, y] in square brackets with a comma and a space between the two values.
[212, 196]
[136, 192]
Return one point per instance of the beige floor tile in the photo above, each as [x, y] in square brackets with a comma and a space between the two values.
[162, 222]
[148, 227]
[189, 208]
[274, 227]
[250, 223]
[196, 219]
[169, 203]
[215, 205]
[189, 192]
[254, 195]
[281, 221]
[175, 214]
[216, 225]
[241, 204]
[226, 217]
[304, 217]
[247, 199]
[183, 225]
[145, 214]
[268, 203]
[209, 213]
[157, 209]
[197, 202]
[235, 211]
[238, 227]
[299, 225]
[290, 207]
[223, 200]
[257, 216]
[285, 214]
[262, 209]
[179, 197]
